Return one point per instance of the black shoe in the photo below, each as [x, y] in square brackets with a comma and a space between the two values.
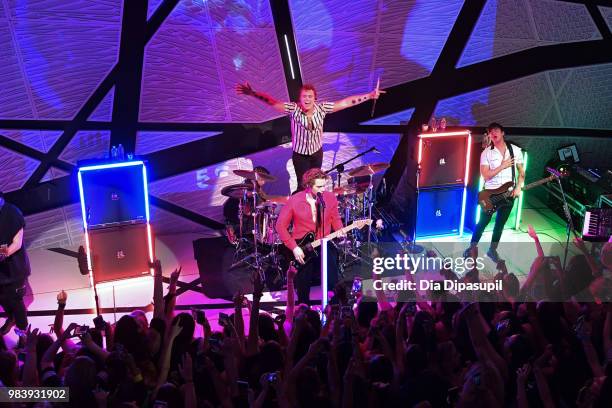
[468, 252]
[493, 255]
[7, 326]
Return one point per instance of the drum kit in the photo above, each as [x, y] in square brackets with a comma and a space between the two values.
[257, 244]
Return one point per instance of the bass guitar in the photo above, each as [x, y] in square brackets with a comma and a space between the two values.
[491, 200]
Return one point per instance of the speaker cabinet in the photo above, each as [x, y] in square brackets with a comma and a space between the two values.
[119, 252]
[114, 195]
[443, 159]
[439, 211]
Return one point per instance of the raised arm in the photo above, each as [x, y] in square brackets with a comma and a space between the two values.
[246, 89]
[356, 99]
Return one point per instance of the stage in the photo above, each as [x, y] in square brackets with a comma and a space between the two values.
[53, 271]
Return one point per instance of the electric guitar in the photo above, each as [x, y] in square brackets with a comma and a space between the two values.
[309, 244]
[491, 200]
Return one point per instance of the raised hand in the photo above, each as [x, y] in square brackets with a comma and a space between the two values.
[258, 285]
[291, 272]
[31, 339]
[185, 368]
[62, 296]
[532, 233]
[175, 274]
[244, 89]
[175, 330]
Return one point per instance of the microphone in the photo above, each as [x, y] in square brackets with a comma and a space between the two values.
[320, 200]
[554, 172]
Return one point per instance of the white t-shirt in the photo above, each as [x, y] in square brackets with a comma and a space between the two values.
[493, 158]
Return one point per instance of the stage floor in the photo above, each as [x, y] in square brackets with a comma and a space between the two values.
[52, 272]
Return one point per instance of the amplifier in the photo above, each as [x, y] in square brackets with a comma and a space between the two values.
[119, 252]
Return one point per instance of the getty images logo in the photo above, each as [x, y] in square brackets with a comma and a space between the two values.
[438, 213]
[442, 161]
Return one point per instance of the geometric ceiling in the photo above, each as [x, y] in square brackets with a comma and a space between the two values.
[60, 58]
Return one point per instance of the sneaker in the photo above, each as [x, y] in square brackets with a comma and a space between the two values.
[493, 255]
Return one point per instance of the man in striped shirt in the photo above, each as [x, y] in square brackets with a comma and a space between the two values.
[307, 117]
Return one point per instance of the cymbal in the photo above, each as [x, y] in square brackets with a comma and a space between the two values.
[254, 175]
[277, 199]
[237, 190]
[368, 169]
[348, 189]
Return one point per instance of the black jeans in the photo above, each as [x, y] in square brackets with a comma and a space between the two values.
[11, 300]
[311, 269]
[502, 216]
[304, 162]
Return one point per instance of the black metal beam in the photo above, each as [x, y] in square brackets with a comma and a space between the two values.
[599, 21]
[25, 150]
[35, 124]
[94, 100]
[285, 35]
[129, 76]
[237, 140]
[185, 213]
[605, 3]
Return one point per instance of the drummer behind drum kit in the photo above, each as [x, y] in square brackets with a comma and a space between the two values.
[260, 247]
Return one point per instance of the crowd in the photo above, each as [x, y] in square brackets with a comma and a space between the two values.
[512, 351]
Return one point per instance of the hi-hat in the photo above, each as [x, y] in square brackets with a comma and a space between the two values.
[254, 175]
[237, 190]
[368, 169]
[277, 199]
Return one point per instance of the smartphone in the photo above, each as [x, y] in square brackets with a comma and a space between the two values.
[357, 285]
[198, 315]
[81, 330]
[99, 323]
[272, 378]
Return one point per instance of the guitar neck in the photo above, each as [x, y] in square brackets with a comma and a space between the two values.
[333, 235]
[537, 183]
[531, 185]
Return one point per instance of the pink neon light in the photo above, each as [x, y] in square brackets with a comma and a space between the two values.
[463, 132]
[150, 245]
[89, 267]
[420, 151]
[467, 159]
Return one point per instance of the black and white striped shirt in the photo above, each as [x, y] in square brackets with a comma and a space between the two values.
[307, 136]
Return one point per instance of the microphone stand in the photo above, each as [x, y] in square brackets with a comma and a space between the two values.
[340, 166]
[570, 223]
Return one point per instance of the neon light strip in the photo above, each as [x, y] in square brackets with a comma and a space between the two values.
[462, 222]
[124, 282]
[289, 57]
[112, 165]
[480, 185]
[323, 277]
[146, 191]
[82, 197]
[461, 133]
[420, 151]
[467, 160]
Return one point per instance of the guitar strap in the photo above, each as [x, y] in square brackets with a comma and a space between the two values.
[509, 147]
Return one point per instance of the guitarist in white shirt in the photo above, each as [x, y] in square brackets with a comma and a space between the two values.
[498, 165]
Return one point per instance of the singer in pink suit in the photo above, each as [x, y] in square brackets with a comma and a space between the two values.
[312, 210]
[307, 117]
[500, 162]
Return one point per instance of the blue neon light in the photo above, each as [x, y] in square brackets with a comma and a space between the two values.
[112, 165]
